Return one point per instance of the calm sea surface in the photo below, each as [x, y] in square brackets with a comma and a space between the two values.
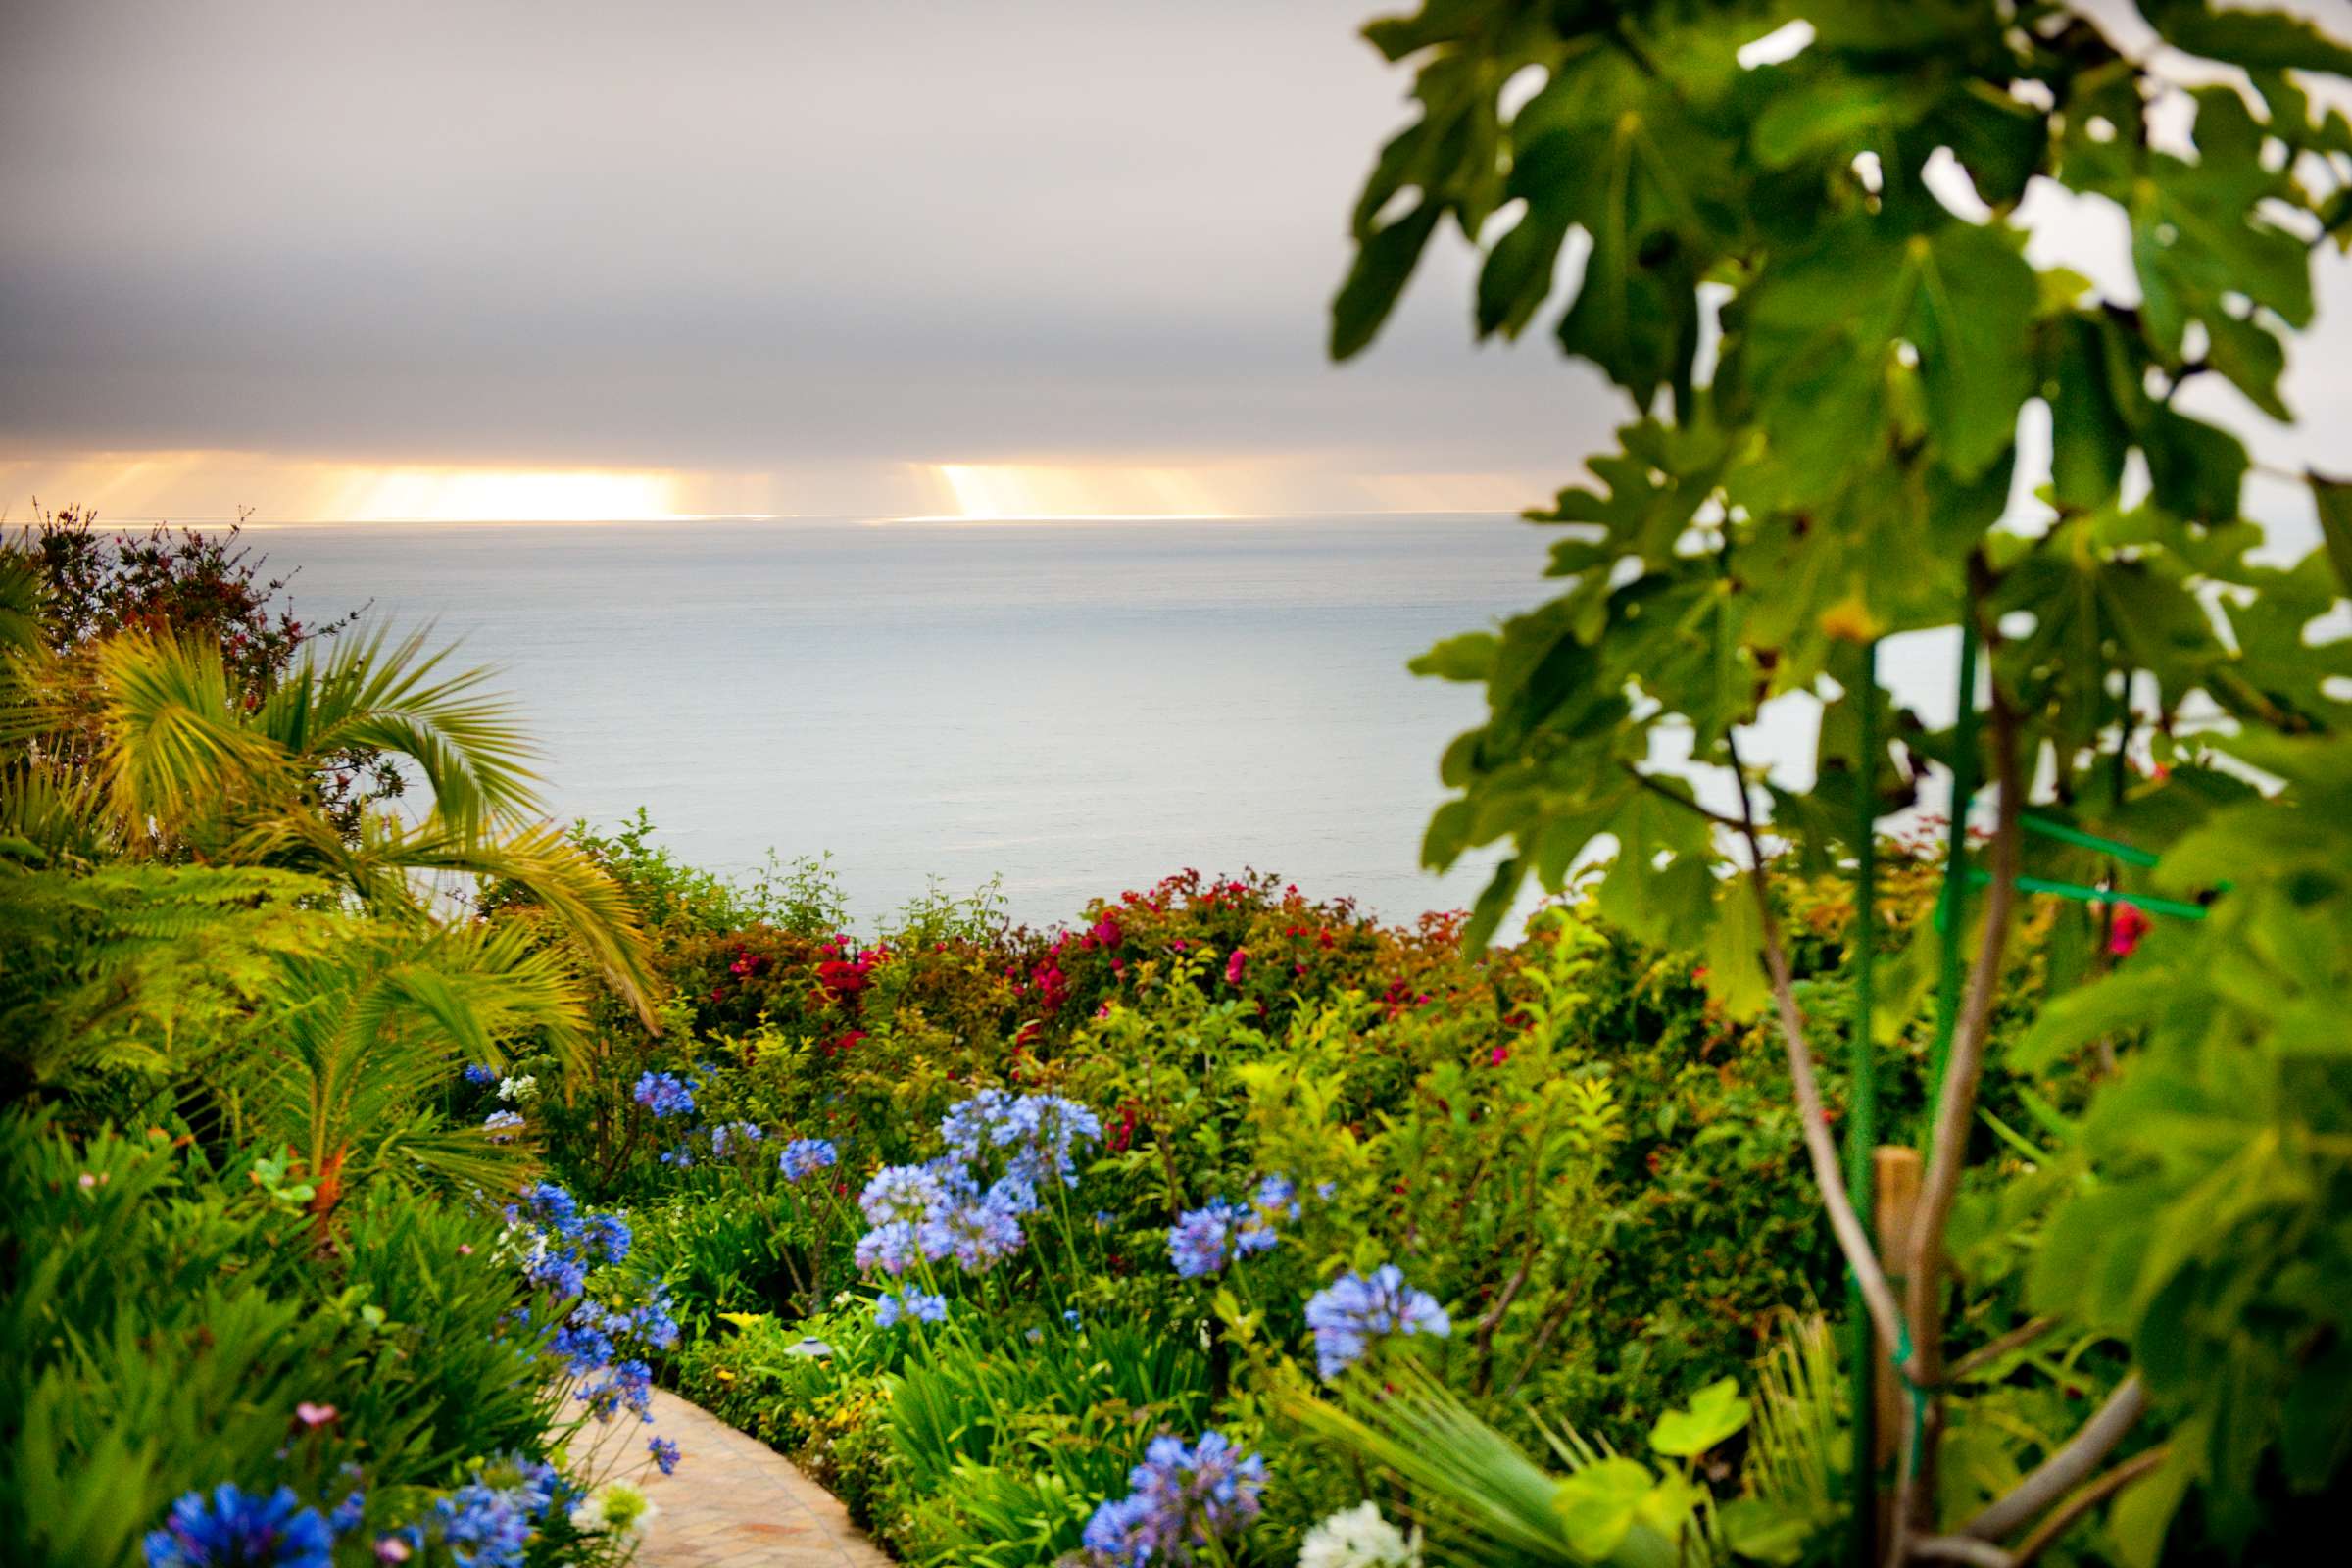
[1075, 707]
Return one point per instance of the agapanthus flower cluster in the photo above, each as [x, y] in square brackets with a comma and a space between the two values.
[628, 1386]
[1199, 1242]
[563, 1242]
[1039, 1135]
[910, 1305]
[503, 1126]
[234, 1529]
[732, 1134]
[665, 1453]
[520, 1087]
[1182, 1497]
[806, 1157]
[593, 1335]
[488, 1522]
[662, 1093]
[480, 1074]
[1354, 1313]
[978, 1233]
[1204, 1240]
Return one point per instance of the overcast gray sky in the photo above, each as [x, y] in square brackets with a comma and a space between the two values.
[753, 236]
[837, 258]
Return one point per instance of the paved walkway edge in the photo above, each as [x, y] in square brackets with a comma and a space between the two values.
[734, 1501]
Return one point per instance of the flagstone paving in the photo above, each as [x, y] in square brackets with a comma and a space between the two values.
[734, 1502]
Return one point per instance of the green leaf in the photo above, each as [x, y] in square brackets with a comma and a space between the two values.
[1714, 1414]
[1833, 113]
[2140, 1518]
[2334, 498]
[2089, 436]
[1764, 1532]
[1469, 657]
[1384, 260]
[1598, 1505]
[1826, 327]
[2259, 40]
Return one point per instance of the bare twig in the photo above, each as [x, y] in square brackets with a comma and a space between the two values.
[2051, 1479]
[1852, 1239]
[1957, 1108]
[2085, 1498]
[1961, 1548]
[1986, 1354]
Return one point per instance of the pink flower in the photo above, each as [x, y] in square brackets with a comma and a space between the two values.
[314, 1415]
[1233, 965]
[465, 1249]
[2130, 925]
[1498, 1056]
[391, 1548]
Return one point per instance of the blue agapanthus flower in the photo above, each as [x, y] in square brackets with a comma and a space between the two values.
[910, 1305]
[485, 1526]
[662, 1093]
[1258, 1229]
[606, 1235]
[1039, 1135]
[235, 1529]
[480, 1073]
[1198, 1241]
[892, 1248]
[664, 1452]
[729, 1132]
[1121, 1535]
[1182, 1496]
[806, 1157]
[1352, 1313]
[909, 1194]
[975, 1233]
[349, 1512]
[503, 1126]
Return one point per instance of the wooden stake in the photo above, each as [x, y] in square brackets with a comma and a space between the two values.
[1894, 1180]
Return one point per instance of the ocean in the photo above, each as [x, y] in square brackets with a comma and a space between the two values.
[1068, 709]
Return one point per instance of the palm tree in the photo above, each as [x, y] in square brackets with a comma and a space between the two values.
[179, 903]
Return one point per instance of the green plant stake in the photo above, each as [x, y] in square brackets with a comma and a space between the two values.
[1950, 905]
[1865, 1110]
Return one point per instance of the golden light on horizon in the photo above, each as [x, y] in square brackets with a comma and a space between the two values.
[990, 492]
[507, 495]
[210, 486]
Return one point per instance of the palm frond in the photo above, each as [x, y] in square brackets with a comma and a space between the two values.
[1471, 1480]
[369, 692]
[57, 814]
[585, 902]
[1797, 1448]
[177, 749]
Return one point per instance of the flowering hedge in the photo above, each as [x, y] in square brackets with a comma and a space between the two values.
[1258, 1141]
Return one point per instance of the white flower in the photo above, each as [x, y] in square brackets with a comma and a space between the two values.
[521, 1088]
[1359, 1538]
[615, 1506]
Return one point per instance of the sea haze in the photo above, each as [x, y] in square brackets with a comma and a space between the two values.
[1076, 708]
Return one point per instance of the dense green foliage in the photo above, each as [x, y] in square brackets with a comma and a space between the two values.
[1804, 232]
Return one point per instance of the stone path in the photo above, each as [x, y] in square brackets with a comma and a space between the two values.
[734, 1501]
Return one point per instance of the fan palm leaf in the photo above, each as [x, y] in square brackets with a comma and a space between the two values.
[370, 693]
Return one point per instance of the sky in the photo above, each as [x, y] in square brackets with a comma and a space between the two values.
[587, 259]
[383, 258]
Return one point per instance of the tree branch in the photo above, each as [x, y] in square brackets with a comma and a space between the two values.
[2066, 1468]
[1960, 1549]
[1852, 1239]
[1956, 1107]
[1992, 1351]
[2086, 1498]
